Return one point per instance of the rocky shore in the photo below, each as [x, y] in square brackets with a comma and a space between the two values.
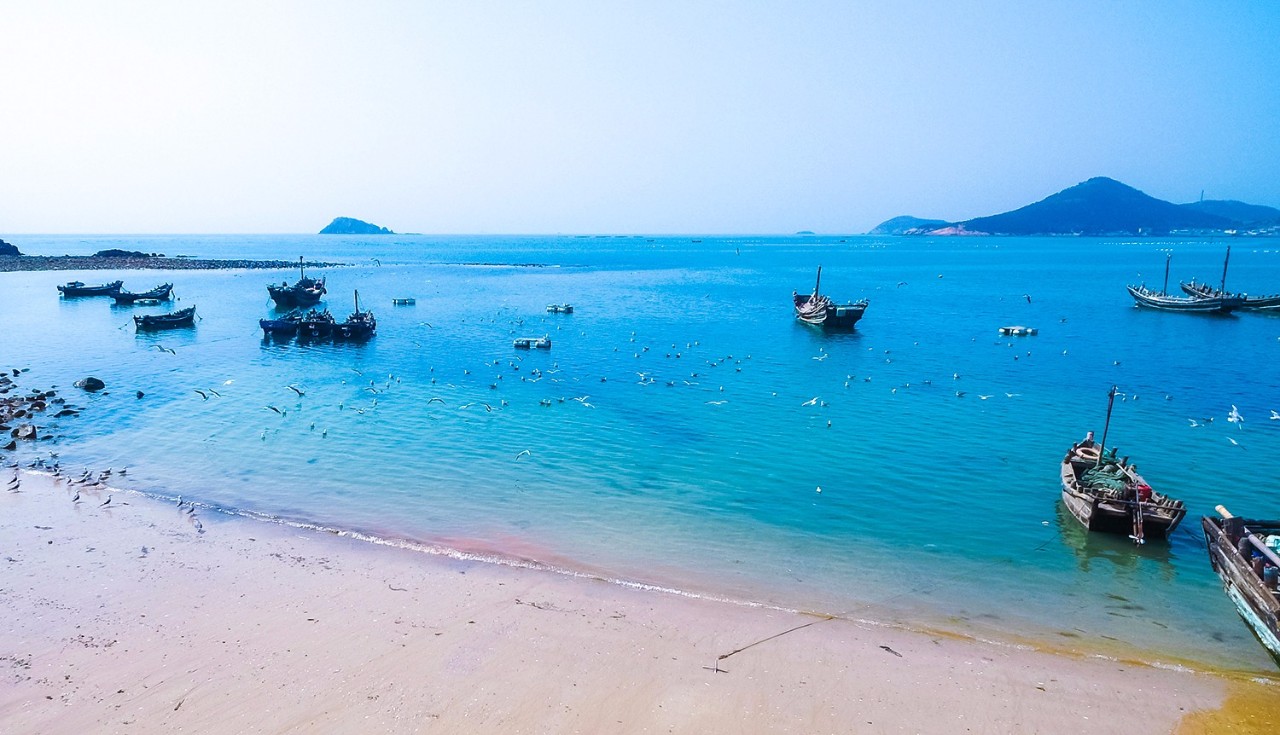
[12, 263]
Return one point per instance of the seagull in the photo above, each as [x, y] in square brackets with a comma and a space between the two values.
[1012, 395]
[717, 403]
[960, 394]
[435, 399]
[811, 402]
[296, 390]
[108, 502]
[273, 408]
[523, 453]
[216, 393]
[1275, 415]
[983, 397]
[1235, 418]
[1233, 441]
[824, 356]
[162, 348]
[203, 395]
[1193, 423]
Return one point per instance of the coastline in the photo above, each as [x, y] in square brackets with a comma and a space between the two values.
[28, 263]
[125, 616]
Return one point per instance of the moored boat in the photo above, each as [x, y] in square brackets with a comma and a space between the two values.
[1105, 492]
[305, 292]
[359, 326]
[150, 322]
[1243, 553]
[79, 288]
[316, 325]
[163, 292]
[820, 310]
[1247, 303]
[285, 326]
[1147, 298]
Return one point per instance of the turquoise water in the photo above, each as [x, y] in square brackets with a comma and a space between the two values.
[934, 509]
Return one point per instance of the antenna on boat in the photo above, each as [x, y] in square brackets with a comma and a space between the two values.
[1102, 448]
[1223, 287]
[1168, 257]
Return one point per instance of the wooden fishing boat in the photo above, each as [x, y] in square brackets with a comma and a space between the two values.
[1243, 553]
[316, 325]
[151, 322]
[1147, 298]
[820, 310]
[305, 292]
[163, 292]
[1106, 493]
[79, 288]
[532, 343]
[285, 326]
[1205, 291]
[560, 308]
[359, 326]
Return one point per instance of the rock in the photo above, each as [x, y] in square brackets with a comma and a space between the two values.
[12, 445]
[8, 249]
[65, 412]
[117, 253]
[90, 384]
[24, 431]
[141, 394]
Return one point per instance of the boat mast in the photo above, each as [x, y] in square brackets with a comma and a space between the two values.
[1223, 287]
[357, 301]
[302, 272]
[1102, 448]
[817, 282]
[1165, 291]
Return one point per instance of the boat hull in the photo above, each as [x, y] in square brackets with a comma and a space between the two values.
[827, 314]
[1098, 510]
[1210, 305]
[1257, 606]
[176, 320]
[76, 288]
[159, 293]
[1248, 303]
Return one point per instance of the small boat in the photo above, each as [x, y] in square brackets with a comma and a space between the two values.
[1019, 331]
[403, 302]
[1145, 297]
[560, 308]
[1243, 553]
[1247, 302]
[286, 326]
[532, 343]
[305, 292]
[820, 310]
[78, 288]
[151, 322]
[359, 326]
[316, 325]
[163, 292]
[1106, 493]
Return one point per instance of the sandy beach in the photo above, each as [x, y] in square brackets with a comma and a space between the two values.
[126, 617]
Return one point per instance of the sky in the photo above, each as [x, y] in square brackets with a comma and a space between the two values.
[620, 117]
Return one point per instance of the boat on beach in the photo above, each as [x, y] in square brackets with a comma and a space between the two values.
[820, 310]
[79, 288]
[1147, 298]
[1105, 492]
[152, 322]
[305, 292]
[163, 292]
[1243, 553]
[1247, 302]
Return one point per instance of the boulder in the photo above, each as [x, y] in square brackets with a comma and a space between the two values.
[7, 249]
[24, 431]
[90, 384]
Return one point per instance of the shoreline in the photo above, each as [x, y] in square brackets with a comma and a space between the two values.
[33, 263]
[128, 614]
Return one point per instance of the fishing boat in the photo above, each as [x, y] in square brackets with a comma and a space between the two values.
[285, 326]
[151, 322]
[403, 302]
[1105, 492]
[359, 326]
[560, 308]
[316, 325]
[1243, 553]
[163, 292]
[305, 292]
[1205, 291]
[1019, 331]
[79, 288]
[532, 343]
[1145, 297]
[820, 310]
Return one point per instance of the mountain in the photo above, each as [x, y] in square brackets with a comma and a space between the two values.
[1245, 214]
[907, 225]
[1099, 206]
[352, 226]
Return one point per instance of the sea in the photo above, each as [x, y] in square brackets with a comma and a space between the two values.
[686, 434]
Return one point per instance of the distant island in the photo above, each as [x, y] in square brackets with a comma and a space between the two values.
[1103, 206]
[353, 226]
[8, 249]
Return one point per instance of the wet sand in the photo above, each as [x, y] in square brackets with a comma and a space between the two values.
[126, 618]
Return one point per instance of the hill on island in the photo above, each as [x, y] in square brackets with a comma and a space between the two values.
[1101, 206]
[353, 226]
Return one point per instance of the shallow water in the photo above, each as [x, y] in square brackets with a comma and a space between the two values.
[934, 508]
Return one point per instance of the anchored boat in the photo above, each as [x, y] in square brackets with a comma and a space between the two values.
[1105, 492]
[820, 310]
[163, 292]
[1145, 297]
[305, 292]
[79, 288]
[1247, 302]
[152, 322]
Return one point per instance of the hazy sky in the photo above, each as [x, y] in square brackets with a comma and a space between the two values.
[685, 116]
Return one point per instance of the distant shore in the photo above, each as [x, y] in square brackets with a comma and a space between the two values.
[132, 613]
[16, 263]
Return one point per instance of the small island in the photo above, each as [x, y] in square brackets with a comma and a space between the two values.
[8, 249]
[352, 226]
